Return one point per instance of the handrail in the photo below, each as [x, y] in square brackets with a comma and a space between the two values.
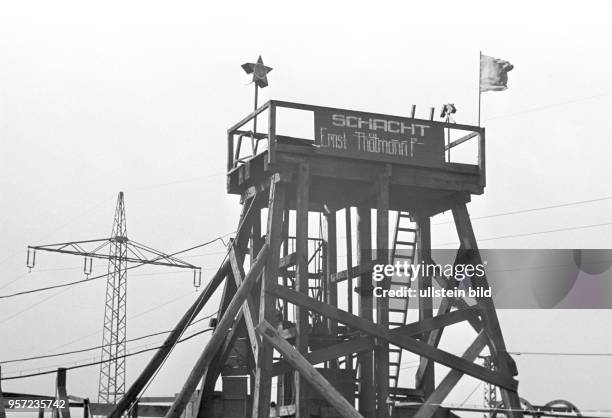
[272, 105]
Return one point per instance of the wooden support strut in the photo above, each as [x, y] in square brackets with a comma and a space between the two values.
[2, 411]
[218, 336]
[302, 281]
[161, 354]
[505, 364]
[359, 344]
[367, 393]
[62, 394]
[263, 377]
[400, 340]
[381, 351]
[435, 399]
[318, 382]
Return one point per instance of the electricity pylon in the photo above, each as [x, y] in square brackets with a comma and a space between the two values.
[121, 251]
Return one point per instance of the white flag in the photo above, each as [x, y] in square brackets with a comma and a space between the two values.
[493, 73]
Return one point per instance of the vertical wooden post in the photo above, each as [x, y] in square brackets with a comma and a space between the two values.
[332, 267]
[349, 267]
[504, 362]
[62, 393]
[382, 303]
[263, 376]
[367, 395]
[86, 408]
[2, 411]
[425, 381]
[301, 250]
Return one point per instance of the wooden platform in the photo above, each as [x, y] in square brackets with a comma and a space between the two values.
[340, 181]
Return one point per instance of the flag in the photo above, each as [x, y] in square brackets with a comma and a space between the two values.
[494, 73]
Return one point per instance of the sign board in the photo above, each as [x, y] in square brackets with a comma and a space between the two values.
[378, 137]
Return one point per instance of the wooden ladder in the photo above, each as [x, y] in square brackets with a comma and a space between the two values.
[404, 249]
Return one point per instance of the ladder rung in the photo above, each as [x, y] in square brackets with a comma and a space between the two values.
[407, 229]
[397, 310]
[404, 256]
[412, 244]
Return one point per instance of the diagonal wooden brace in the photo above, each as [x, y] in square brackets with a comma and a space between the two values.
[403, 341]
[307, 371]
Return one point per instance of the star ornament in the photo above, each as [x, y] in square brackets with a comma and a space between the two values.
[259, 71]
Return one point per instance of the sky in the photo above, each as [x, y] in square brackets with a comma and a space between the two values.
[97, 98]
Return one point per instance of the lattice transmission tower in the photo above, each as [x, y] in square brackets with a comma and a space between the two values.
[120, 252]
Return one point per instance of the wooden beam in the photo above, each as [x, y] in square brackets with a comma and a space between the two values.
[426, 380]
[302, 281]
[349, 266]
[504, 362]
[367, 393]
[218, 336]
[397, 339]
[435, 399]
[332, 267]
[267, 304]
[353, 272]
[381, 351]
[2, 411]
[461, 140]
[62, 393]
[248, 307]
[318, 382]
[161, 354]
[355, 345]
[204, 405]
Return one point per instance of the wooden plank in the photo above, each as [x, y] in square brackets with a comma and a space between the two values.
[161, 354]
[425, 381]
[204, 406]
[318, 382]
[2, 410]
[301, 283]
[381, 351]
[461, 140]
[367, 393]
[62, 393]
[287, 261]
[504, 362]
[397, 339]
[267, 305]
[349, 266]
[435, 399]
[332, 266]
[355, 345]
[218, 336]
[248, 307]
[353, 272]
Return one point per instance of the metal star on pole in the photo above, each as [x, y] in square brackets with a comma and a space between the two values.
[259, 71]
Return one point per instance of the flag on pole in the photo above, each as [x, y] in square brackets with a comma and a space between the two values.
[493, 73]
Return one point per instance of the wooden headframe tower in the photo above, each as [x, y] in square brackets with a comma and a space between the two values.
[298, 314]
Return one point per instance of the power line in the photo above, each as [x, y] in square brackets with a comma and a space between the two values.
[83, 350]
[97, 363]
[526, 234]
[518, 211]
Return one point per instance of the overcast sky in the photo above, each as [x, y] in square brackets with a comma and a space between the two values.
[137, 96]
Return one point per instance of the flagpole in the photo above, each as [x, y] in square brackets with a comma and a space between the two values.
[479, 79]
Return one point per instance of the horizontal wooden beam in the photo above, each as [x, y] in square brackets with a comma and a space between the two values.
[403, 341]
[335, 351]
[354, 272]
[308, 372]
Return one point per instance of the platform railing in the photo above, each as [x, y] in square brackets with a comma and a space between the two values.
[237, 135]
